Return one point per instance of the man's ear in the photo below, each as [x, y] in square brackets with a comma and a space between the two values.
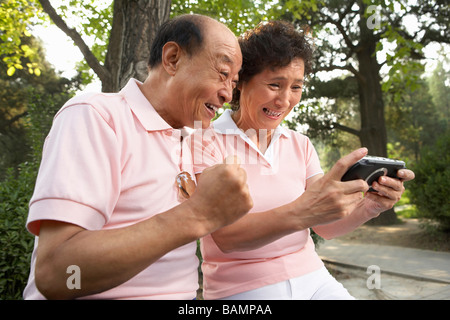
[171, 55]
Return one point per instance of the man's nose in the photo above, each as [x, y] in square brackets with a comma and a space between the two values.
[226, 93]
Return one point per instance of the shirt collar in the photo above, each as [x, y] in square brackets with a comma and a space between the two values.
[226, 125]
[142, 108]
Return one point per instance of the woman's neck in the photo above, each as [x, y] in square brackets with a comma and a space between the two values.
[261, 137]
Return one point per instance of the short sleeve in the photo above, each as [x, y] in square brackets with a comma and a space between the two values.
[79, 176]
[312, 160]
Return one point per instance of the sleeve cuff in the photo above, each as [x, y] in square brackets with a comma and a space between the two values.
[65, 211]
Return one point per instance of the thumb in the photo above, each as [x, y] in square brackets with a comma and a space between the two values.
[232, 160]
[346, 162]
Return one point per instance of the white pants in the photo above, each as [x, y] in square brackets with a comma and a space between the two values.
[317, 285]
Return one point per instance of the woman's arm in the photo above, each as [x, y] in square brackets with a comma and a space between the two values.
[325, 200]
[389, 193]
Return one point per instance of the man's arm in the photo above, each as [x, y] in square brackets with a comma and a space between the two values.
[108, 258]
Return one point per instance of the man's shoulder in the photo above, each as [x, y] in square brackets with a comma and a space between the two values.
[108, 105]
[96, 99]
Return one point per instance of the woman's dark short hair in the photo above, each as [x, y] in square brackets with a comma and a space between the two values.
[271, 44]
[185, 30]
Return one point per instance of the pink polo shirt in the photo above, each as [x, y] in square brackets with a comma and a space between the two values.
[108, 162]
[275, 178]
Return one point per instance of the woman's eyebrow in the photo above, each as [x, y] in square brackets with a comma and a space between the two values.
[285, 78]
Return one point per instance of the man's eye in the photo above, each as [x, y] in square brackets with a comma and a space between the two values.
[274, 85]
[225, 74]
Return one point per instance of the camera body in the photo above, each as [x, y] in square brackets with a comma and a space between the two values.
[370, 168]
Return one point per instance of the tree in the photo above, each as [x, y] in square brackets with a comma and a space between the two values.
[417, 118]
[131, 29]
[351, 36]
[429, 191]
[121, 30]
[439, 84]
[16, 94]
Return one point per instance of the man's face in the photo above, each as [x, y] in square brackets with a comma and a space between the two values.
[207, 78]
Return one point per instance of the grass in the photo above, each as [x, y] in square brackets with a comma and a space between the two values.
[405, 209]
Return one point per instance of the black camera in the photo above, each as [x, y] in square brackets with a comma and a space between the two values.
[370, 168]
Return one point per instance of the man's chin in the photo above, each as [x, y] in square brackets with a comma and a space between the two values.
[200, 124]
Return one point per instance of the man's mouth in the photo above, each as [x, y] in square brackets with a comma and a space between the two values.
[212, 108]
[272, 114]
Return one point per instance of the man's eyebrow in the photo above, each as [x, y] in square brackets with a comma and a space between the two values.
[225, 58]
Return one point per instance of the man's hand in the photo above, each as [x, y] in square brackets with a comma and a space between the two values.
[222, 195]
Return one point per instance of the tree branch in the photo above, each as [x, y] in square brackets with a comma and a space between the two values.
[334, 67]
[15, 118]
[346, 129]
[92, 61]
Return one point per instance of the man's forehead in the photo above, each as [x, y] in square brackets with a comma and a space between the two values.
[229, 54]
[223, 44]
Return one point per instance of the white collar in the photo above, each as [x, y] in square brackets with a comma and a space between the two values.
[226, 125]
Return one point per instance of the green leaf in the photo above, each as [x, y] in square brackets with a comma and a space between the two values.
[11, 71]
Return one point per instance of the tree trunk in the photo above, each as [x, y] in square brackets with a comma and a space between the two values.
[135, 23]
[373, 134]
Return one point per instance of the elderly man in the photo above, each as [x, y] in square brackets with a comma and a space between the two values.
[106, 210]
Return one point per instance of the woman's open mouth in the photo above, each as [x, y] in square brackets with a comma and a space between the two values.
[272, 114]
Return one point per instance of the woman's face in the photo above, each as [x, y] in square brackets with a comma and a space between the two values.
[268, 97]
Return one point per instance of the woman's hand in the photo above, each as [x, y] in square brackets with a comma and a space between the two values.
[388, 192]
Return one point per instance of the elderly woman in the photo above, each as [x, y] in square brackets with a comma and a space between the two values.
[269, 254]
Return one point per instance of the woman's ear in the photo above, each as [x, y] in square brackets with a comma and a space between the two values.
[171, 55]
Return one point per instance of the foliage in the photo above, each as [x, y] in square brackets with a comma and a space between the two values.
[16, 94]
[15, 193]
[95, 22]
[15, 242]
[16, 17]
[237, 15]
[341, 33]
[431, 187]
[418, 117]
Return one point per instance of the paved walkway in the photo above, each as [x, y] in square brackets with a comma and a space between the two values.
[422, 265]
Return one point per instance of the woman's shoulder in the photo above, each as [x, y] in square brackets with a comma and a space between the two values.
[297, 135]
